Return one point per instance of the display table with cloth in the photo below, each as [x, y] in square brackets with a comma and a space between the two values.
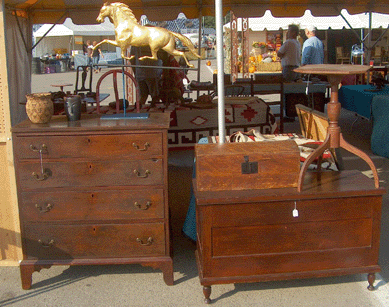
[356, 99]
[380, 135]
[304, 92]
[289, 87]
[190, 122]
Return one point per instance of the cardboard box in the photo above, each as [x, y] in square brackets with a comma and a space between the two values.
[247, 166]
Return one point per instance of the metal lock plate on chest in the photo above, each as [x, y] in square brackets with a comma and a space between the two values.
[249, 167]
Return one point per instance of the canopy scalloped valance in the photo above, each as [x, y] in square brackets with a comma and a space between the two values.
[86, 11]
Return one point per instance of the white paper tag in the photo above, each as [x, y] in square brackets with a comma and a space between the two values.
[295, 213]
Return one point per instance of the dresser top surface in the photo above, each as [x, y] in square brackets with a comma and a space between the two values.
[95, 123]
[331, 184]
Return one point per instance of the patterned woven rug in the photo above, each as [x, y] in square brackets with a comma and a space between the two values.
[192, 122]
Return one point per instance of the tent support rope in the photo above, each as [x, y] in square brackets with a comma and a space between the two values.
[47, 32]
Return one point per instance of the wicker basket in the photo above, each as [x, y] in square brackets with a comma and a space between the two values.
[273, 66]
[39, 107]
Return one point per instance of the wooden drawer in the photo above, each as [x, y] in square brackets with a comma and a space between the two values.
[90, 173]
[266, 213]
[95, 146]
[104, 204]
[93, 241]
[288, 263]
[291, 238]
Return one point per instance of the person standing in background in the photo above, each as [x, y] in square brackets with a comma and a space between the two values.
[85, 48]
[89, 51]
[313, 49]
[96, 57]
[172, 80]
[147, 77]
[290, 54]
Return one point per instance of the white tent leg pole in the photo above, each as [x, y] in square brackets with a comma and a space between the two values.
[199, 49]
[220, 69]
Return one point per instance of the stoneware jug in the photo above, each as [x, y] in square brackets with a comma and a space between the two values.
[39, 107]
[72, 107]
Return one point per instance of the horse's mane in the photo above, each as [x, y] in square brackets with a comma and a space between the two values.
[125, 9]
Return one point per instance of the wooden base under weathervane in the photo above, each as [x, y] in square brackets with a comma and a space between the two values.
[334, 139]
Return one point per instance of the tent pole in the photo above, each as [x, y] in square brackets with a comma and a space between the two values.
[354, 31]
[220, 69]
[369, 43]
[199, 48]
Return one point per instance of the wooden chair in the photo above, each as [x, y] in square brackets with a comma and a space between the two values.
[270, 79]
[340, 57]
[82, 87]
[130, 79]
[377, 55]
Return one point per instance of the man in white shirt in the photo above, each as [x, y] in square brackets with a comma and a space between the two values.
[290, 54]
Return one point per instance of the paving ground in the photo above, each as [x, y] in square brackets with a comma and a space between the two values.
[134, 285]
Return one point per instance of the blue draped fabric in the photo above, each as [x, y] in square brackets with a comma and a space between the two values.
[189, 227]
[355, 98]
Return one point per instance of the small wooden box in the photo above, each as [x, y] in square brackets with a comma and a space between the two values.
[246, 166]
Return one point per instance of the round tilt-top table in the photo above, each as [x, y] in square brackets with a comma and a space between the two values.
[334, 138]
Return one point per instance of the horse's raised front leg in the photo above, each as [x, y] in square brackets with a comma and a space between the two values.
[123, 54]
[108, 41]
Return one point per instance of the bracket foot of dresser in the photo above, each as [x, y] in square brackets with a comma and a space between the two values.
[166, 266]
[26, 271]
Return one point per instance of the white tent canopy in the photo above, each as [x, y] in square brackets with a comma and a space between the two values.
[358, 21]
[63, 35]
[69, 28]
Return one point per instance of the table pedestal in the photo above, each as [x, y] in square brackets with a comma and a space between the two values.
[334, 137]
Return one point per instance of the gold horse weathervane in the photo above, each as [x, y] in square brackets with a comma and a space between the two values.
[129, 33]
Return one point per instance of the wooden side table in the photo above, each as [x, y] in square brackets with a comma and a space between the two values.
[61, 86]
[334, 139]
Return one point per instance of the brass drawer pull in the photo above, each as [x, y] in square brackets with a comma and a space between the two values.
[43, 176]
[139, 206]
[44, 209]
[43, 149]
[149, 241]
[147, 173]
[147, 145]
[45, 172]
[46, 245]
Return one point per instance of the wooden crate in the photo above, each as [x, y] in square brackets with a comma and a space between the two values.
[246, 166]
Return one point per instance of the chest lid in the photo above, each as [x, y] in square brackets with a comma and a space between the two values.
[246, 166]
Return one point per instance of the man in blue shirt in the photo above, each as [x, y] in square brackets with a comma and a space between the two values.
[313, 50]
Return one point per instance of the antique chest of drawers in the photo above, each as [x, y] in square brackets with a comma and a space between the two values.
[330, 228]
[93, 192]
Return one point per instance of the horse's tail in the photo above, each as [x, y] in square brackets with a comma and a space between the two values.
[187, 42]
